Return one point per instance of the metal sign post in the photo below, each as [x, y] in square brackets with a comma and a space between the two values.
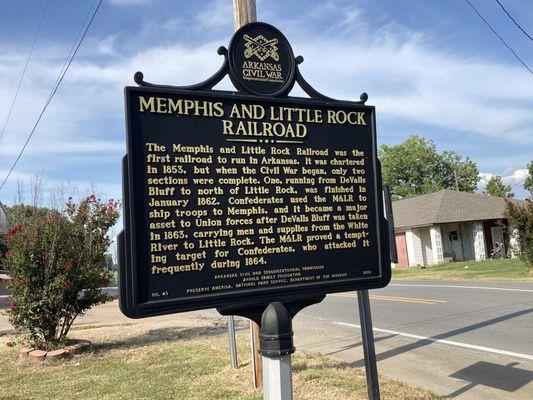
[367, 333]
[365, 316]
[276, 347]
[232, 342]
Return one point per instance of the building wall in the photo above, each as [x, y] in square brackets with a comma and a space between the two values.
[436, 244]
[401, 247]
[418, 253]
[410, 244]
[478, 238]
[441, 243]
[418, 243]
[468, 244]
[427, 251]
[463, 247]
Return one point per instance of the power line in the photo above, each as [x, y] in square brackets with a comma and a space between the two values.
[24, 70]
[514, 21]
[53, 92]
[502, 40]
[75, 41]
[519, 182]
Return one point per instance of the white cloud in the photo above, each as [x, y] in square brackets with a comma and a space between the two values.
[515, 178]
[216, 14]
[409, 81]
[485, 177]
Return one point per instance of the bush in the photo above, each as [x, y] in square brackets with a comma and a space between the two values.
[521, 226]
[57, 264]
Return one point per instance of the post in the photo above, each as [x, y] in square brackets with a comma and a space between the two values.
[256, 357]
[232, 342]
[367, 334]
[244, 12]
[276, 347]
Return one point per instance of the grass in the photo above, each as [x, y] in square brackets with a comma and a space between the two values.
[499, 269]
[164, 360]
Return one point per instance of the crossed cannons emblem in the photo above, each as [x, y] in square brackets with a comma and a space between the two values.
[261, 47]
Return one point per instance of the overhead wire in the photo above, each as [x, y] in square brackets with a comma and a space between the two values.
[38, 30]
[519, 182]
[75, 41]
[514, 21]
[52, 94]
[499, 36]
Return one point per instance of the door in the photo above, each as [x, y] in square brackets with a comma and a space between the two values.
[401, 247]
[497, 241]
[456, 245]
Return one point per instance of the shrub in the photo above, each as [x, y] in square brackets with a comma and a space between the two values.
[57, 265]
[520, 218]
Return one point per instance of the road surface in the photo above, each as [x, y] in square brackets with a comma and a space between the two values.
[468, 340]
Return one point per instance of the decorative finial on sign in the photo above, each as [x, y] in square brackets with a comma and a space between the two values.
[139, 78]
[208, 84]
[363, 97]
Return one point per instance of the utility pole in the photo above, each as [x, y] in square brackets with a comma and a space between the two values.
[244, 12]
[456, 179]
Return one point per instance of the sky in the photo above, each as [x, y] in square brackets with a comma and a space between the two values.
[431, 68]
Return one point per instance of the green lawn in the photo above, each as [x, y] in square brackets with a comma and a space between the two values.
[155, 360]
[500, 269]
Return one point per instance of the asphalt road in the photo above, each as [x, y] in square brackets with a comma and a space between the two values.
[468, 340]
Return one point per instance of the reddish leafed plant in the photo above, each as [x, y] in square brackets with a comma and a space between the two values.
[57, 265]
[520, 216]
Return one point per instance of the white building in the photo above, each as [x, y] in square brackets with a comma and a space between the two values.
[449, 226]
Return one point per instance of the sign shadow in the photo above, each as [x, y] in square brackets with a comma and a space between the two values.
[425, 342]
[504, 377]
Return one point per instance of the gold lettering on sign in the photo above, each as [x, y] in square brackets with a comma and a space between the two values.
[228, 210]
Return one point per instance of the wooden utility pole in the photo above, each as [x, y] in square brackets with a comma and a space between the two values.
[243, 13]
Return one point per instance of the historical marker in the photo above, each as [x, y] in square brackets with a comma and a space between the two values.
[241, 199]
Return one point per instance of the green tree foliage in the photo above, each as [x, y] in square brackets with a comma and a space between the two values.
[520, 218]
[528, 183]
[415, 167]
[19, 213]
[496, 187]
[56, 260]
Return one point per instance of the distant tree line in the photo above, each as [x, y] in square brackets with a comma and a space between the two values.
[415, 167]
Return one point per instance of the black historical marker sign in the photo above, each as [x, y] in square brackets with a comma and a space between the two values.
[238, 200]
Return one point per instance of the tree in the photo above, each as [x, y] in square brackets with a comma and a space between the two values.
[520, 217]
[528, 183]
[57, 265]
[415, 167]
[20, 213]
[496, 187]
